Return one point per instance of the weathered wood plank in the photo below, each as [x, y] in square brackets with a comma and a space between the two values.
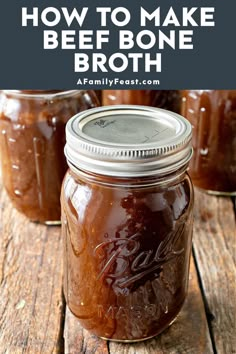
[78, 340]
[215, 250]
[188, 334]
[30, 284]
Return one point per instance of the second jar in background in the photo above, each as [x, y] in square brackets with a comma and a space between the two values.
[213, 116]
[167, 99]
[32, 138]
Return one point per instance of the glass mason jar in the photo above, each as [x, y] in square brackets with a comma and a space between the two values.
[32, 139]
[99, 96]
[213, 116]
[127, 220]
[167, 99]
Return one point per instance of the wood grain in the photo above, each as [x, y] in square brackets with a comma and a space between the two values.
[78, 340]
[188, 334]
[215, 250]
[30, 284]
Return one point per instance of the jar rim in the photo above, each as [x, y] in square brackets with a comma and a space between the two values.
[41, 94]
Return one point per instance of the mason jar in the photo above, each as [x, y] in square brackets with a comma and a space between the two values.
[127, 220]
[167, 99]
[213, 116]
[32, 138]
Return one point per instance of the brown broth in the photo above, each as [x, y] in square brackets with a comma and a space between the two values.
[32, 139]
[167, 99]
[213, 116]
[126, 255]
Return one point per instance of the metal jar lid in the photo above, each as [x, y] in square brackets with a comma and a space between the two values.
[128, 141]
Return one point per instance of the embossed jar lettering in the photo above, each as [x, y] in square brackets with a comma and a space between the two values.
[131, 256]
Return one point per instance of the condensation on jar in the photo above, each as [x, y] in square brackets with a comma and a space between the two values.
[127, 220]
[166, 99]
[32, 139]
[213, 116]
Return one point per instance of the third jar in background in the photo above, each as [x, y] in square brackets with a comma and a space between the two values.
[167, 99]
[213, 116]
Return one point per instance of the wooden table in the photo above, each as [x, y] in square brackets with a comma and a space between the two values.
[34, 318]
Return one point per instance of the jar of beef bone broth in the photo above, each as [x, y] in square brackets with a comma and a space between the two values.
[32, 139]
[213, 116]
[127, 220]
[167, 99]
